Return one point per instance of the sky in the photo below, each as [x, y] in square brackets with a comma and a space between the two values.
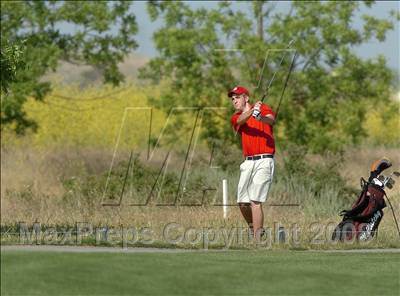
[389, 48]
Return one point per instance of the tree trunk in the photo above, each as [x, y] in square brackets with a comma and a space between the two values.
[258, 13]
[260, 27]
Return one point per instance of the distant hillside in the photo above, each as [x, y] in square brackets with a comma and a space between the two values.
[68, 73]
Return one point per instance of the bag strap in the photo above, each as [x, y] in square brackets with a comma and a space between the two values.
[394, 216]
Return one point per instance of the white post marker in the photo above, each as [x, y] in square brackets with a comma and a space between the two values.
[225, 197]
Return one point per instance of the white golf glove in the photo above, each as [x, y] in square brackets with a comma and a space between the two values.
[257, 114]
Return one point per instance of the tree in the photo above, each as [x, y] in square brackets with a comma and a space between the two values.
[80, 32]
[324, 105]
[11, 60]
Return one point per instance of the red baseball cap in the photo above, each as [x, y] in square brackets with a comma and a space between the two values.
[238, 90]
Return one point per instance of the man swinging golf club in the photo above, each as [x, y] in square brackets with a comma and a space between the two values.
[255, 125]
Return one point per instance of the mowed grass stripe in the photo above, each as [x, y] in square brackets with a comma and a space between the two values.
[213, 273]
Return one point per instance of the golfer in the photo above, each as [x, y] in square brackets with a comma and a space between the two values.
[254, 123]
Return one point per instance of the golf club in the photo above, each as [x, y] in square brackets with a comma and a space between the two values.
[286, 82]
[255, 114]
[274, 75]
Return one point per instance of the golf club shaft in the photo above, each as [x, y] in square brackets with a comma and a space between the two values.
[274, 75]
[286, 82]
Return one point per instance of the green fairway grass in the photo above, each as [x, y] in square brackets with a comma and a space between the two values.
[200, 273]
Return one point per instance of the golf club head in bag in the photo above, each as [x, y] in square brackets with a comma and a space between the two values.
[378, 167]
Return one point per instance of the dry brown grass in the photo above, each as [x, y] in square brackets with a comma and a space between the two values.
[32, 191]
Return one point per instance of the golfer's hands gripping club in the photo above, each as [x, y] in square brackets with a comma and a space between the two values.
[257, 111]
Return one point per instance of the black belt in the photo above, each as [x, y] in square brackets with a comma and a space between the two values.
[257, 157]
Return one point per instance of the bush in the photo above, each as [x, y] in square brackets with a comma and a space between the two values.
[143, 185]
[316, 185]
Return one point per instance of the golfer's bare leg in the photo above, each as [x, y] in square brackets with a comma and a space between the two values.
[258, 218]
[245, 209]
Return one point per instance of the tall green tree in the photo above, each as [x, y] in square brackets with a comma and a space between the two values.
[324, 105]
[97, 33]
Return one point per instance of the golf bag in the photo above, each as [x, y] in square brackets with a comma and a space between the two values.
[361, 222]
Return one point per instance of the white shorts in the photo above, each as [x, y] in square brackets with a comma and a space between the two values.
[255, 180]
